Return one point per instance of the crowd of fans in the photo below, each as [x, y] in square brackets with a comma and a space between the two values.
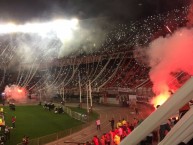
[118, 132]
[123, 128]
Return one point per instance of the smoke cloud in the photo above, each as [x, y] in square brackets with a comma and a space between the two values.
[15, 93]
[169, 55]
[33, 47]
[87, 39]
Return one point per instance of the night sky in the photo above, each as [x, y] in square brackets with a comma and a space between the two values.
[28, 10]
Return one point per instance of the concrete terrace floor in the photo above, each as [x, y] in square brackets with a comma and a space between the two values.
[106, 113]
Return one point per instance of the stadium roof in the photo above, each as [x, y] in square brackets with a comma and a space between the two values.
[27, 10]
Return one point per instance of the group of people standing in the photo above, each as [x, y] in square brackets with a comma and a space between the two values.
[118, 132]
[5, 130]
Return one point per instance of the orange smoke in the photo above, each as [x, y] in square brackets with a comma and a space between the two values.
[160, 99]
[16, 93]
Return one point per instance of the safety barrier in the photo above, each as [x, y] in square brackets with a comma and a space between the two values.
[76, 115]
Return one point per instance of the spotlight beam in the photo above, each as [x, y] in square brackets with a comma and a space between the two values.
[61, 28]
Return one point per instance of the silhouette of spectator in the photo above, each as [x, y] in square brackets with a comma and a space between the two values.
[112, 121]
[25, 140]
[98, 123]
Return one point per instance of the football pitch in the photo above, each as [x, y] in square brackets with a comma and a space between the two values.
[35, 121]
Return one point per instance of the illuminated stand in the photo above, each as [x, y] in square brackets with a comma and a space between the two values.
[164, 112]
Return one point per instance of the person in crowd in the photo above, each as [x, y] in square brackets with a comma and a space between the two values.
[120, 132]
[56, 110]
[155, 135]
[107, 139]
[131, 127]
[143, 142]
[1, 110]
[62, 103]
[119, 124]
[190, 142]
[128, 130]
[136, 111]
[149, 139]
[112, 135]
[2, 140]
[95, 140]
[124, 122]
[60, 110]
[135, 122]
[124, 127]
[125, 133]
[102, 140]
[40, 103]
[12, 106]
[45, 105]
[98, 124]
[184, 109]
[117, 139]
[7, 132]
[175, 120]
[25, 140]
[112, 121]
[13, 120]
[164, 128]
[127, 103]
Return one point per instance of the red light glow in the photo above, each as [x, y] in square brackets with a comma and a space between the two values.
[17, 93]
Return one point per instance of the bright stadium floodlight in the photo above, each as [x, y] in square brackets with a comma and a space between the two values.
[61, 28]
[8, 28]
[64, 28]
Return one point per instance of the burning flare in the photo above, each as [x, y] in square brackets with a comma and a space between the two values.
[15, 93]
[160, 99]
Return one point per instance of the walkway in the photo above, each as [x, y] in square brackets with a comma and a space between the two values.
[106, 113]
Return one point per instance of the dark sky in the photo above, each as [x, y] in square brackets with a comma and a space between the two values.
[26, 10]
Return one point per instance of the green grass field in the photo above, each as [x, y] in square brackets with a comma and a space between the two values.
[34, 121]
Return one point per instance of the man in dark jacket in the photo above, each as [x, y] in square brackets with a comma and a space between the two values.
[112, 121]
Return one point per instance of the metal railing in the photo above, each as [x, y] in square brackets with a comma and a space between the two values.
[76, 115]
